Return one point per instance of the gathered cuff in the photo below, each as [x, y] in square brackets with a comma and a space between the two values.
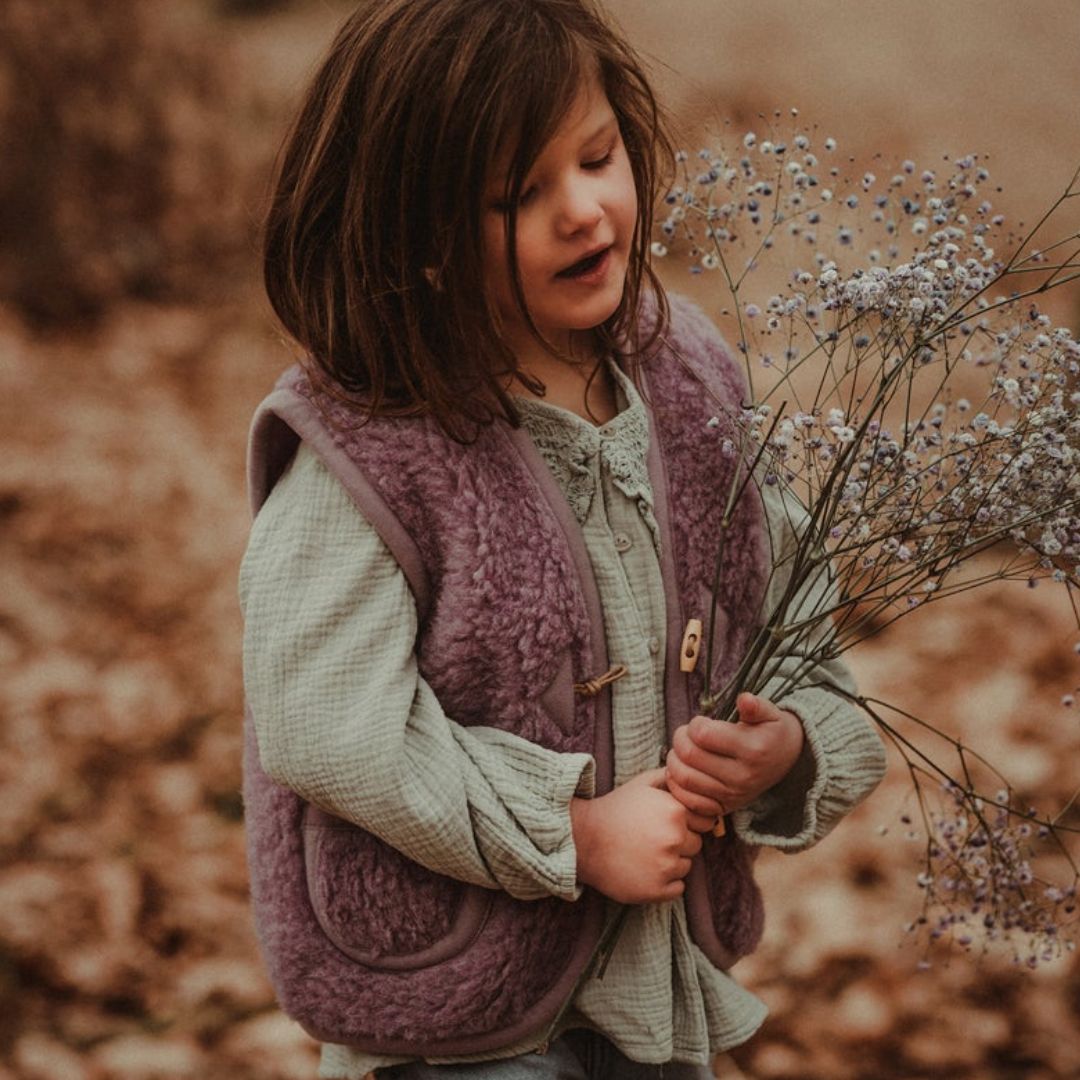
[576, 778]
[842, 761]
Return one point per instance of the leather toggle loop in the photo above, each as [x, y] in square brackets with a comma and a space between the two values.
[591, 687]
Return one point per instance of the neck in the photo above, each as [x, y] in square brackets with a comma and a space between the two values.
[584, 386]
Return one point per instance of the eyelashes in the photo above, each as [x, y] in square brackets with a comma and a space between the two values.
[599, 163]
[527, 196]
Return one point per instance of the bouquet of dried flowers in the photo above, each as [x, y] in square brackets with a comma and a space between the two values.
[920, 417]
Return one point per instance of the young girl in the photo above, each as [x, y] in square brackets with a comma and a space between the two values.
[487, 506]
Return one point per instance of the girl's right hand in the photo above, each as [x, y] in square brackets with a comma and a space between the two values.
[635, 843]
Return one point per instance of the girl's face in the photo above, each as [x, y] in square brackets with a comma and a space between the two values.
[575, 224]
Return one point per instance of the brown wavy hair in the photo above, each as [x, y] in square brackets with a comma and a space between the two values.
[373, 251]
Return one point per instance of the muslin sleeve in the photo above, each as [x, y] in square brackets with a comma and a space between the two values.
[343, 717]
[843, 758]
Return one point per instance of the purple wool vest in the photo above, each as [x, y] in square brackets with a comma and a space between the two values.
[367, 948]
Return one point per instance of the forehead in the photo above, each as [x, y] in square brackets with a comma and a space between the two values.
[588, 108]
[590, 100]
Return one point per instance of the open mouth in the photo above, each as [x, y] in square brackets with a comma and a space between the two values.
[584, 266]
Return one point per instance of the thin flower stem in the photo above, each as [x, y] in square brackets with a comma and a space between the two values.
[1067, 807]
[735, 495]
[1046, 250]
[958, 318]
[896, 491]
[962, 748]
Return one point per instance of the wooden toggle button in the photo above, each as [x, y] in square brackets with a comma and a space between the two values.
[691, 644]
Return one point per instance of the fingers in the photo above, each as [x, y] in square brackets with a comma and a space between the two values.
[700, 823]
[673, 890]
[704, 744]
[731, 753]
[717, 777]
[691, 845]
[669, 881]
[701, 813]
[682, 865]
[703, 806]
[692, 777]
[637, 842]
[678, 864]
[703, 733]
[728, 739]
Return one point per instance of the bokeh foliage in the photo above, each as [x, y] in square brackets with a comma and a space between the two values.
[121, 176]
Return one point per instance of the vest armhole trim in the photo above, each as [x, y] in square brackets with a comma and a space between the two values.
[303, 421]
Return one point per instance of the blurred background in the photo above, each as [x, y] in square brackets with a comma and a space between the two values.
[137, 138]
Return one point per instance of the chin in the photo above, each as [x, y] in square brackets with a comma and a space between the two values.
[596, 312]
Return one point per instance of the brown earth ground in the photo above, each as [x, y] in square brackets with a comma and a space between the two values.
[125, 944]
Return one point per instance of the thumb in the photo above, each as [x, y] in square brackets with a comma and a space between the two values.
[752, 709]
[656, 778]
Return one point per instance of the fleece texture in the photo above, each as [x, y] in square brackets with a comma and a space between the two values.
[368, 948]
[697, 390]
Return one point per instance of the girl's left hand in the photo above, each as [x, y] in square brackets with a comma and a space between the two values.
[715, 767]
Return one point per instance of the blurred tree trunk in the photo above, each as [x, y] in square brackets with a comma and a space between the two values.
[118, 177]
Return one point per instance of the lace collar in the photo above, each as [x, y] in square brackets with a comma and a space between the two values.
[570, 445]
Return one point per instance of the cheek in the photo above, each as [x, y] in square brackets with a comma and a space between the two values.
[496, 267]
[532, 275]
[628, 202]
[496, 273]
[530, 246]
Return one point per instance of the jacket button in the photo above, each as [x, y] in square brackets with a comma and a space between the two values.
[654, 644]
[623, 542]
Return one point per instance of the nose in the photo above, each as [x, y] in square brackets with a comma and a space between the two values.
[580, 209]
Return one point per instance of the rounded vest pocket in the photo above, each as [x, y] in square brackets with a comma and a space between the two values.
[380, 908]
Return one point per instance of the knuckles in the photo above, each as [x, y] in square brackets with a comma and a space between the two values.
[677, 768]
[682, 742]
[691, 791]
[701, 730]
[754, 754]
[701, 804]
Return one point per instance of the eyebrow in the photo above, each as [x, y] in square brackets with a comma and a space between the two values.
[612, 122]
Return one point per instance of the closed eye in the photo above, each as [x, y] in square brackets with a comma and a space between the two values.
[600, 163]
[530, 192]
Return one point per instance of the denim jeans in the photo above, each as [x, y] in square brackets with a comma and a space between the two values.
[578, 1055]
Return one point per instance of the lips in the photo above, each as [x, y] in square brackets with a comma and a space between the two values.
[584, 265]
